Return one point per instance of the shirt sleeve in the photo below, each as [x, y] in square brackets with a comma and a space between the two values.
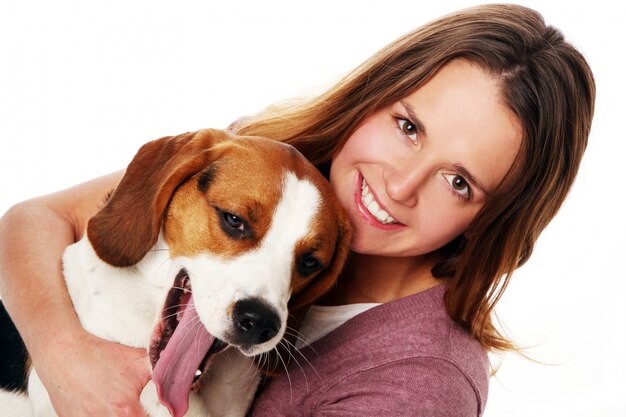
[426, 387]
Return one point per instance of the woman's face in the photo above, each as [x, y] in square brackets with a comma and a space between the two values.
[414, 175]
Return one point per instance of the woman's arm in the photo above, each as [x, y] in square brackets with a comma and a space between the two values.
[83, 374]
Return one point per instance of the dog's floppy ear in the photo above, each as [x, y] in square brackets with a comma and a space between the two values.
[324, 282]
[129, 224]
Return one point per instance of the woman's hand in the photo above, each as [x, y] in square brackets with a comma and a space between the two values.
[88, 376]
[84, 375]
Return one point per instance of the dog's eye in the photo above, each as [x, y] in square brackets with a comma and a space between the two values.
[233, 225]
[233, 221]
[308, 264]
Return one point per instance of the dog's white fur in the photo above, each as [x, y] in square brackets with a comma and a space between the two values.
[123, 304]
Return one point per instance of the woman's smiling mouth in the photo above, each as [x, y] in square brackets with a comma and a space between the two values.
[370, 209]
[372, 206]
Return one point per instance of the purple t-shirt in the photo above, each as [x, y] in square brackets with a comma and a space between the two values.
[403, 358]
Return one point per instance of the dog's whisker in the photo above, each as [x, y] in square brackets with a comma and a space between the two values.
[258, 362]
[267, 361]
[307, 361]
[275, 361]
[191, 327]
[295, 332]
[287, 373]
[194, 326]
[185, 289]
[300, 338]
[256, 372]
[162, 264]
[178, 306]
[175, 313]
[286, 343]
[198, 325]
[263, 360]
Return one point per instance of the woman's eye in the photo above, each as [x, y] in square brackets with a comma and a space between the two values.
[408, 128]
[459, 185]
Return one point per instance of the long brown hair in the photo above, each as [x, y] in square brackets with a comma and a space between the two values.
[545, 82]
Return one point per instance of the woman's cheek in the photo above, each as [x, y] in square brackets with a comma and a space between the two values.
[443, 223]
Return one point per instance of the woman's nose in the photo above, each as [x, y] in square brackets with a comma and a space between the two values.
[403, 182]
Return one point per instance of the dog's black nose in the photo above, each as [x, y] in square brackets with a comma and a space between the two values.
[255, 322]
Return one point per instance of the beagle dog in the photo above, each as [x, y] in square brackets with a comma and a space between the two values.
[200, 255]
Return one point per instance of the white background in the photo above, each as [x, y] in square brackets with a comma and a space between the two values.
[84, 83]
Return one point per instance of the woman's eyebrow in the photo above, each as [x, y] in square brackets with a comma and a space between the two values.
[411, 112]
[468, 176]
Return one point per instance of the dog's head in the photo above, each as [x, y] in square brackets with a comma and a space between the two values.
[253, 230]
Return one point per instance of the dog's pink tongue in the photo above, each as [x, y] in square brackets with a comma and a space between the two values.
[177, 365]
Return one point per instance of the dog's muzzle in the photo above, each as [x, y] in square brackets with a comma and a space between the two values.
[181, 347]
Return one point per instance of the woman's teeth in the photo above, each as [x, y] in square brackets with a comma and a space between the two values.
[372, 206]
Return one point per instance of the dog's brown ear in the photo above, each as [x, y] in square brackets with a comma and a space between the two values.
[324, 282]
[129, 224]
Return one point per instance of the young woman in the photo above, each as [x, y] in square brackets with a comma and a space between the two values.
[451, 149]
